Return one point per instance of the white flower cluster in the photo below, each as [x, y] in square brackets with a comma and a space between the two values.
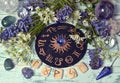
[18, 48]
[47, 16]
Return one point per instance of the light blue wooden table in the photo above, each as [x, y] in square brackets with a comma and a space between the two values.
[15, 75]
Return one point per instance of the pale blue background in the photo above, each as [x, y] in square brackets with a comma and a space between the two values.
[15, 75]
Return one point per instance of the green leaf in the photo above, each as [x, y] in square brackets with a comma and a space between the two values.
[81, 3]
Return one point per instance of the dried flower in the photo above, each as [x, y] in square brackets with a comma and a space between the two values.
[85, 23]
[76, 14]
[36, 3]
[95, 62]
[77, 38]
[74, 19]
[13, 30]
[18, 47]
[101, 27]
[63, 13]
[47, 16]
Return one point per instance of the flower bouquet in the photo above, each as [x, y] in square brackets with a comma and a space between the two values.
[93, 17]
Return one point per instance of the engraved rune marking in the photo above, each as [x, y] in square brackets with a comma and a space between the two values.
[36, 63]
[76, 53]
[51, 29]
[49, 58]
[45, 71]
[58, 73]
[58, 61]
[42, 52]
[41, 43]
[69, 59]
[71, 73]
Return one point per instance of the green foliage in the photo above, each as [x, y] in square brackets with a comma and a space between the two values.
[18, 47]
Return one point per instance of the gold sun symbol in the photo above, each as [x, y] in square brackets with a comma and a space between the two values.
[60, 48]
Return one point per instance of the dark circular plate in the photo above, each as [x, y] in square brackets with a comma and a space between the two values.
[59, 54]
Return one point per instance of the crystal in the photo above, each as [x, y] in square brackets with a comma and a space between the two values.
[105, 71]
[8, 64]
[27, 72]
[61, 41]
[118, 33]
[104, 10]
[96, 63]
[8, 20]
[22, 12]
[9, 6]
[110, 42]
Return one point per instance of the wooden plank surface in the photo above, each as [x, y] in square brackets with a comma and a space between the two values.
[15, 75]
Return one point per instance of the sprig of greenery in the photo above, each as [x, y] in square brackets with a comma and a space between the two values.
[18, 48]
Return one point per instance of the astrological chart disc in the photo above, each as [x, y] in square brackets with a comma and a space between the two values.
[56, 48]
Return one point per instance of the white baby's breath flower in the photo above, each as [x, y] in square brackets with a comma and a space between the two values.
[72, 21]
[28, 36]
[85, 23]
[37, 9]
[17, 47]
[47, 9]
[93, 18]
[77, 38]
[47, 16]
[77, 14]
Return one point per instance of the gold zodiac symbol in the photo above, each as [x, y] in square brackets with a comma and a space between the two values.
[51, 29]
[69, 59]
[41, 43]
[49, 58]
[76, 53]
[58, 61]
[42, 52]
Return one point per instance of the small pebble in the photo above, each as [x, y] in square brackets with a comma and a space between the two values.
[8, 64]
[45, 71]
[82, 67]
[27, 72]
[8, 20]
[36, 64]
[58, 73]
[22, 12]
[71, 73]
